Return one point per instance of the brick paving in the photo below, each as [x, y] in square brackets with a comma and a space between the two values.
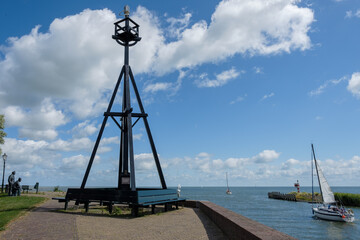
[43, 223]
[184, 223]
[46, 223]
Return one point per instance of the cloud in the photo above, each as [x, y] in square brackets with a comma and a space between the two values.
[258, 70]
[203, 155]
[267, 96]
[157, 87]
[327, 84]
[72, 65]
[341, 167]
[220, 80]
[177, 25]
[354, 84]
[165, 86]
[72, 62]
[351, 14]
[144, 162]
[252, 27]
[239, 99]
[236, 162]
[204, 162]
[218, 163]
[289, 164]
[38, 123]
[74, 162]
[266, 156]
[84, 129]
[137, 136]
[76, 144]
[28, 154]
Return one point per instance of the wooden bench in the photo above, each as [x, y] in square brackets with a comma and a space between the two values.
[25, 188]
[155, 197]
[135, 199]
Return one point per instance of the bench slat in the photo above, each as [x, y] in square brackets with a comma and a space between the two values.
[144, 193]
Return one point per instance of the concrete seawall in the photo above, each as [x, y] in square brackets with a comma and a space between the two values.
[234, 225]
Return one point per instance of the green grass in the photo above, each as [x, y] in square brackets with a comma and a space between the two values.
[57, 189]
[12, 207]
[307, 197]
[348, 199]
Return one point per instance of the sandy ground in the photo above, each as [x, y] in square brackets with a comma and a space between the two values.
[49, 222]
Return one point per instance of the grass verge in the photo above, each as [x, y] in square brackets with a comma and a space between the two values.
[348, 199]
[306, 197]
[13, 207]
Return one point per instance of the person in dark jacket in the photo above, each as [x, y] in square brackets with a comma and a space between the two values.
[11, 181]
[17, 188]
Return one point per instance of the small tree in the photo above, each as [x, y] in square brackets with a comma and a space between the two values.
[2, 133]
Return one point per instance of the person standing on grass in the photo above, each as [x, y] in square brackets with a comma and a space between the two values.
[11, 181]
[17, 188]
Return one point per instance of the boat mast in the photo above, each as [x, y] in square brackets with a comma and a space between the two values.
[312, 179]
[312, 147]
[227, 183]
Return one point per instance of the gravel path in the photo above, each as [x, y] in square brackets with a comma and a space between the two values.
[46, 223]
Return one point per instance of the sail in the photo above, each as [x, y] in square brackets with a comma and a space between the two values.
[327, 194]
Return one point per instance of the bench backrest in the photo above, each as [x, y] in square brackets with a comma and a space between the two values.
[148, 197]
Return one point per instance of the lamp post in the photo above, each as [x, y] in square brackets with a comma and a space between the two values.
[2, 185]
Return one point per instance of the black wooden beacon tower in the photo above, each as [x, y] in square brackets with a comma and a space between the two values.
[127, 35]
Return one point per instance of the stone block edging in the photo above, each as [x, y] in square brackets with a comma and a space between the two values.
[236, 226]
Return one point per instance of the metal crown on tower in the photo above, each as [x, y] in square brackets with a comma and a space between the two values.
[126, 30]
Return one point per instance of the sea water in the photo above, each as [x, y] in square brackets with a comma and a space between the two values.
[293, 218]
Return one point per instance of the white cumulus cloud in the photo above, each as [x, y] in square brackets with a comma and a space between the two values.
[37, 123]
[266, 156]
[354, 84]
[220, 80]
[73, 65]
[255, 27]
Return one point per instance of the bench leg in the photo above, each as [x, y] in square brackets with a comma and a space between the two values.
[86, 205]
[110, 207]
[152, 209]
[135, 211]
[177, 205]
[66, 204]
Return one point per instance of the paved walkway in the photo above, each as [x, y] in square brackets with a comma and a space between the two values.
[46, 223]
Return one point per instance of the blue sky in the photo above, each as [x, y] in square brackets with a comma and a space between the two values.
[242, 87]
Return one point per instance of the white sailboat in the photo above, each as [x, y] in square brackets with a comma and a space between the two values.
[328, 210]
[227, 184]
